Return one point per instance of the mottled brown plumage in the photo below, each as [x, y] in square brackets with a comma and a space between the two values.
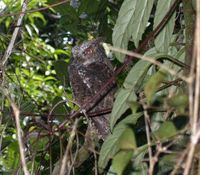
[89, 70]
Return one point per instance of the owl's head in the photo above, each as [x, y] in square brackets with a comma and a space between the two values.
[89, 52]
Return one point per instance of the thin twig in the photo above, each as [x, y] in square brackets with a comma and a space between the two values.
[179, 162]
[16, 112]
[14, 35]
[69, 146]
[146, 119]
[149, 59]
[195, 108]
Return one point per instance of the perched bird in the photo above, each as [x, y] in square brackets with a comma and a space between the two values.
[89, 70]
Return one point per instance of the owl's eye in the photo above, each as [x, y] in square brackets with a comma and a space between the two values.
[88, 51]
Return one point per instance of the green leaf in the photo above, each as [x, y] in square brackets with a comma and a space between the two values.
[167, 163]
[131, 22]
[120, 105]
[153, 84]
[124, 26]
[38, 15]
[121, 160]
[194, 5]
[138, 72]
[28, 29]
[61, 68]
[166, 130]
[179, 102]
[141, 17]
[112, 143]
[11, 158]
[163, 40]
[38, 144]
[136, 75]
[127, 139]
[126, 96]
[38, 77]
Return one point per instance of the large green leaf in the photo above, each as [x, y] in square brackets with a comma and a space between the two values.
[120, 105]
[166, 130]
[131, 22]
[163, 40]
[141, 17]
[179, 102]
[136, 75]
[127, 139]
[124, 26]
[153, 84]
[126, 94]
[121, 160]
[112, 144]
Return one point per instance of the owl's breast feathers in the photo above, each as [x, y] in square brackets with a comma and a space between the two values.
[86, 81]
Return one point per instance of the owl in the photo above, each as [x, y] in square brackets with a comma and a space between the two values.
[89, 70]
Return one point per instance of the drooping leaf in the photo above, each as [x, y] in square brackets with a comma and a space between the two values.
[120, 105]
[163, 40]
[153, 84]
[179, 102]
[136, 75]
[138, 72]
[131, 22]
[166, 130]
[141, 17]
[126, 96]
[112, 144]
[124, 26]
[121, 160]
[38, 15]
[127, 139]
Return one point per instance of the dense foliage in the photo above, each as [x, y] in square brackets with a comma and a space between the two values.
[150, 116]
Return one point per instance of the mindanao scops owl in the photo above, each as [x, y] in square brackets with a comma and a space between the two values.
[89, 70]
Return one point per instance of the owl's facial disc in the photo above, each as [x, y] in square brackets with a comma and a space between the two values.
[86, 53]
